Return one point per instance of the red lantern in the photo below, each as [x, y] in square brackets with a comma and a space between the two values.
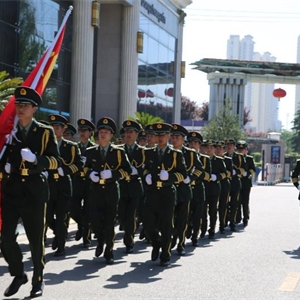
[279, 93]
[169, 92]
[141, 94]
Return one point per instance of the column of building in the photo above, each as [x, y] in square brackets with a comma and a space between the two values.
[82, 61]
[129, 61]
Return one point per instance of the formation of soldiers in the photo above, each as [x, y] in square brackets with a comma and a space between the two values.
[169, 182]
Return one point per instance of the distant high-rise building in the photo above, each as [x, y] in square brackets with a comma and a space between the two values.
[258, 96]
[297, 95]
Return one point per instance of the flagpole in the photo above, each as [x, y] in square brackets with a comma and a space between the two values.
[50, 49]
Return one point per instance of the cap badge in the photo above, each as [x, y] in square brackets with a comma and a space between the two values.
[159, 126]
[23, 92]
[128, 123]
[105, 121]
[175, 127]
[52, 118]
[193, 134]
[82, 122]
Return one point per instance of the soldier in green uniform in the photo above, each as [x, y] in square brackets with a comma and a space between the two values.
[80, 211]
[242, 148]
[213, 189]
[225, 185]
[105, 165]
[60, 184]
[195, 172]
[33, 149]
[239, 168]
[131, 187]
[198, 201]
[164, 167]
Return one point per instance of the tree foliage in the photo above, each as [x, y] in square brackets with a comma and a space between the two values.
[223, 125]
[286, 136]
[189, 109]
[144, 119]
[7, 87]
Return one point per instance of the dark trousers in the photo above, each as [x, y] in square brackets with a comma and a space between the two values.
[80, 208]
[158, 218]
[25, 200]
[181, 214]
[244, 204]
[127, 212]
[103, 205]
[233, 205]
[211, 207]
[223, 204]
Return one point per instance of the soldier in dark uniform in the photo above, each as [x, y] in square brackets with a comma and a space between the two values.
[105, 165]
[242, 148]
[60, 184]
[295, 177]
[33, 149]
[69, 132]
[195, 172]
[239, 167]
[142, 139]
[131, 187]
[164, 166]
[213, 189]
[80, 211]
[225, 185]
[150, 135]
[198, 200]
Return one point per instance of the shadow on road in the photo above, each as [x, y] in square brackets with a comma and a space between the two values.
[293, 253]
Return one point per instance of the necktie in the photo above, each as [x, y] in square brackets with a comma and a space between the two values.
[130, 153]
[103, 154]
[24, 134]
[82, 150]
[160, 155]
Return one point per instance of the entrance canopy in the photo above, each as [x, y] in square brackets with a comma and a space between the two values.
[253, 71]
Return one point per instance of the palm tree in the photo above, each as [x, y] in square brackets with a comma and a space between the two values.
[7, 87]
[145, 118]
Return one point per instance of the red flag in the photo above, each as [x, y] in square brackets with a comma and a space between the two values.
[37, 80]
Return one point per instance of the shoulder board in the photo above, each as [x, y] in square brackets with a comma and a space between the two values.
[227, 157]
[219, 157]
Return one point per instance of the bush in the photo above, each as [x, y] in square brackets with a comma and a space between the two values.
[256, 157]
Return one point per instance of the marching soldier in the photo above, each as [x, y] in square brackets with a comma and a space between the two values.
[80, 211]
[198, 201]
[69, 132]
[131, 187]
[295, 177]
[184, 192]
[150, 136]
[213, 189]
[142, 139]
[33, 149]
[164, 166]
[60, 184]
[225, 185]
[105, 165]
[242, 148]
[239, 169]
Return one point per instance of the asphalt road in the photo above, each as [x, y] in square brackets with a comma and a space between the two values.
[260, 261]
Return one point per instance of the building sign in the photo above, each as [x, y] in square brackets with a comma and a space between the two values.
[275, 154]
[151, 10]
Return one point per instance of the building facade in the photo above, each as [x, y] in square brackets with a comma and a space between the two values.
[131, 62]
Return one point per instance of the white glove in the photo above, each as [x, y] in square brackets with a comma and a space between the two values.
[106, 174]
[187, 180]
[61, 171]
[94, 177]
[134, 171]
[245, 174]
[83, 159]
[46, 174]
[148, 179]
[233, 172]
[213, 177]
[164, 175]
[299, 187]
[7, 168]
[28, 155]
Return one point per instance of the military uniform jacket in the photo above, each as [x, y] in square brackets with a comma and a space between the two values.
[115, 160]
[71, 163]
[41, 141]
[132, 186]
[172, 161]
[295, 174]
[226, 182]
[219, 169]
[247, 180]
[195, 171]
[239, 166]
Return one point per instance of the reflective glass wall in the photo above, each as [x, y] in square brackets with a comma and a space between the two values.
[28, 27]
[156, 71]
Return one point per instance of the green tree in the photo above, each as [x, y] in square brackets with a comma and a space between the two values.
[223, 125]
[286, 136]
[189, 109]
[7, 87]
[144, 119]
[295, 139]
